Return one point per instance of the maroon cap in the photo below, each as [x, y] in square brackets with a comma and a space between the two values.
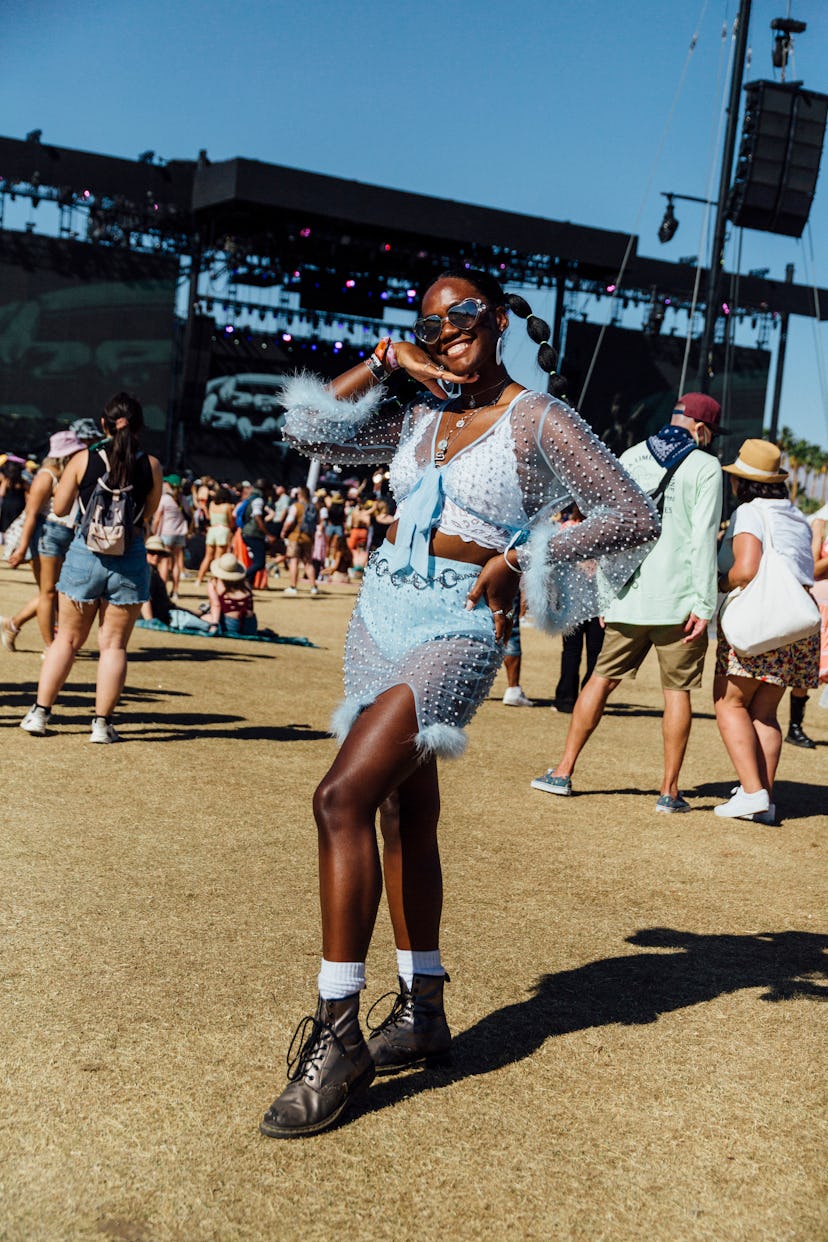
[703, 409]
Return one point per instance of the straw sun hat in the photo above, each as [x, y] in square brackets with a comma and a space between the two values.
[758, 461]
[156, 544]
[228, 568]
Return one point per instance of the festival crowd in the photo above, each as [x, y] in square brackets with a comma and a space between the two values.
[508, 504]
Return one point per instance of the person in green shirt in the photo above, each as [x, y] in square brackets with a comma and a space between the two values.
[668, 603]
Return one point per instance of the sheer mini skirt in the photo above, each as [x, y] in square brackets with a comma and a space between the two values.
[412, 630]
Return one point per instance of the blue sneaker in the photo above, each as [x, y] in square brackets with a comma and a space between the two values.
[672, 806]
[550, 783]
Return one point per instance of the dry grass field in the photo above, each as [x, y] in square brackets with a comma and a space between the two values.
[640, 1044]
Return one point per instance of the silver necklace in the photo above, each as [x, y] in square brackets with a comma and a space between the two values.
[474, 397]
[465, 418]
[442, 445]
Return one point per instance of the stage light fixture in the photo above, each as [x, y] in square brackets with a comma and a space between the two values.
[669, 225]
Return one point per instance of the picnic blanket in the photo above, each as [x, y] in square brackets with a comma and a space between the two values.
[263, 636]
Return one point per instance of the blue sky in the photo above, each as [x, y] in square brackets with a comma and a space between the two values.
[575, 111]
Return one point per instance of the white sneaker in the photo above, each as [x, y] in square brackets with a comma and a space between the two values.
[314, 590]
[103, 732]
[35, 721]
[514, 697]
[744, 805]
[290, 591]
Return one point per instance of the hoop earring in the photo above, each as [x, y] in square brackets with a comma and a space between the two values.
[499, 349]
[451, 390]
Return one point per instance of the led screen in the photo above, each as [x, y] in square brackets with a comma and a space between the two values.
[77, 324]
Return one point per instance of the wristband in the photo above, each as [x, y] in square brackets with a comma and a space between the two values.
[375, 366]
[390, 358]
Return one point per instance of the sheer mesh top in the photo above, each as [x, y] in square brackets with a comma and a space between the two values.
[504, 488]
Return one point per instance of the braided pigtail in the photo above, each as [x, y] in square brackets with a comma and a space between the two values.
[538, 330]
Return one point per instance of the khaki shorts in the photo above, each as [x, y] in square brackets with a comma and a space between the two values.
[298, 547]
[625, 646]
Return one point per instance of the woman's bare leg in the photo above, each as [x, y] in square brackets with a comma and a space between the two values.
[411, 860]
[763, 710]
[47, 600]
[117, 622]
[74, 623]
[732, 698]
[378, 756]
[204, 567]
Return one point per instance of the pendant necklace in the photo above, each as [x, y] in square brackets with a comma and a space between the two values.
[465, 418]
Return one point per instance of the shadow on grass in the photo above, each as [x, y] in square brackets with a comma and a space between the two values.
[202, 729]
[632, 990]
[793, 799]
[625, 710]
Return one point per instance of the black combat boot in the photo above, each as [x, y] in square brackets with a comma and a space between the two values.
[415, 1030]
[796, 734]
[332, 1066]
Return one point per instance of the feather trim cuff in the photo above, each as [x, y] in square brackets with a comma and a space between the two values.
[440, 741]
[315, 415]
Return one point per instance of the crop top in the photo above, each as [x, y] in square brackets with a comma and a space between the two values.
[502, 490]
[141, 481]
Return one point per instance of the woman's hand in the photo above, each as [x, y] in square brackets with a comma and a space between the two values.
[498, 585]
[421, 368]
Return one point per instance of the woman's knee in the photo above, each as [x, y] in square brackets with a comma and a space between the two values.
[338, 809]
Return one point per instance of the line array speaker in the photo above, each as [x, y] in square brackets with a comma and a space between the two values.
[783, 130]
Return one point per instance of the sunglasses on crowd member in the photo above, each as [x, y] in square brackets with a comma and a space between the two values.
[463, 315]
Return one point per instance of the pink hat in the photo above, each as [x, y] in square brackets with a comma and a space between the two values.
[64, 444]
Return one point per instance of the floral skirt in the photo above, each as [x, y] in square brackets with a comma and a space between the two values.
[796, 666]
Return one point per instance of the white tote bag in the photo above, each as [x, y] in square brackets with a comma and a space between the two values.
[773, 610]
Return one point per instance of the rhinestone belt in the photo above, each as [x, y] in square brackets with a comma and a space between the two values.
[448, 578]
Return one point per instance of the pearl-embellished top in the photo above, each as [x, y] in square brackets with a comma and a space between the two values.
[503, 489]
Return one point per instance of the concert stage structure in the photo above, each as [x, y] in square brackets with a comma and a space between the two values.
[197, 284]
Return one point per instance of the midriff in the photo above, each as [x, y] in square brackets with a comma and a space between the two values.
[451, 547]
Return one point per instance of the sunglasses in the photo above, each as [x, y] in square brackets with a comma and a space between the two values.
[463, 315]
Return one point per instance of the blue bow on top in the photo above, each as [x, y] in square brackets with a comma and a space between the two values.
[420, 513]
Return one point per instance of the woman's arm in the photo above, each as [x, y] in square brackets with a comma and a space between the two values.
[67, 488]
[357, 418]
[747, 554]
[572, 573]
[39, 492]
[154, 496]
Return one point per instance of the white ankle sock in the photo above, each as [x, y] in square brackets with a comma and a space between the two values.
[411, 962]
[340, 979]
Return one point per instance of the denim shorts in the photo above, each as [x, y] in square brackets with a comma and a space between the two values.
[55, 539]
[87, 577]
[174, 541]
[235, 625]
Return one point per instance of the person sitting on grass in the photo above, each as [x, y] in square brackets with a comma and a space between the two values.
[159, 606]
[231, 597]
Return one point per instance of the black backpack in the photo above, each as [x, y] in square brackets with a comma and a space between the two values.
[108, 520]
[310, 520]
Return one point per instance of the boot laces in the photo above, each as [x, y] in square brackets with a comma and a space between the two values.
[313, 1037]
[398, 1010]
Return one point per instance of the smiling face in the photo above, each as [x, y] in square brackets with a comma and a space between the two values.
[463, 351]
